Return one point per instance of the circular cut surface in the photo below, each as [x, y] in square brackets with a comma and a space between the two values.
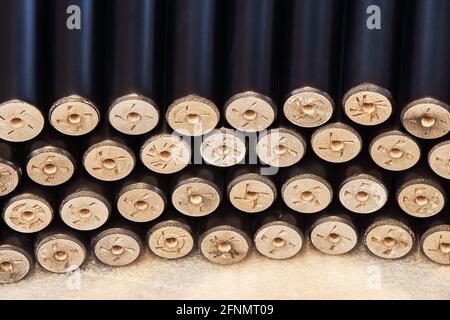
[14, 264]
[27, 213]
[223, 148]
[20, 121]
[336, 143]
[9, 177]
[421, 199]
[435, 244]
[368, 104]
[224, 245]
[307, 193]
[308, 108]
[281, 148]
[389, 239]
[109, 161]
[165, 154]
[60, 253]
[117, 247]
[74, 116]
[50, 166]
[192, 115]
[140, 203]
[439, 159]
[84, 211]
[196, 197]
[333, 235]
[363, 194]
[251, 193]
[133, 114]
[278, 240]
[170, 239]
[250, 112]
[426, 118]
[395, 151]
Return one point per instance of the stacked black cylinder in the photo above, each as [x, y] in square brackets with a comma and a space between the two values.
[221, 125]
